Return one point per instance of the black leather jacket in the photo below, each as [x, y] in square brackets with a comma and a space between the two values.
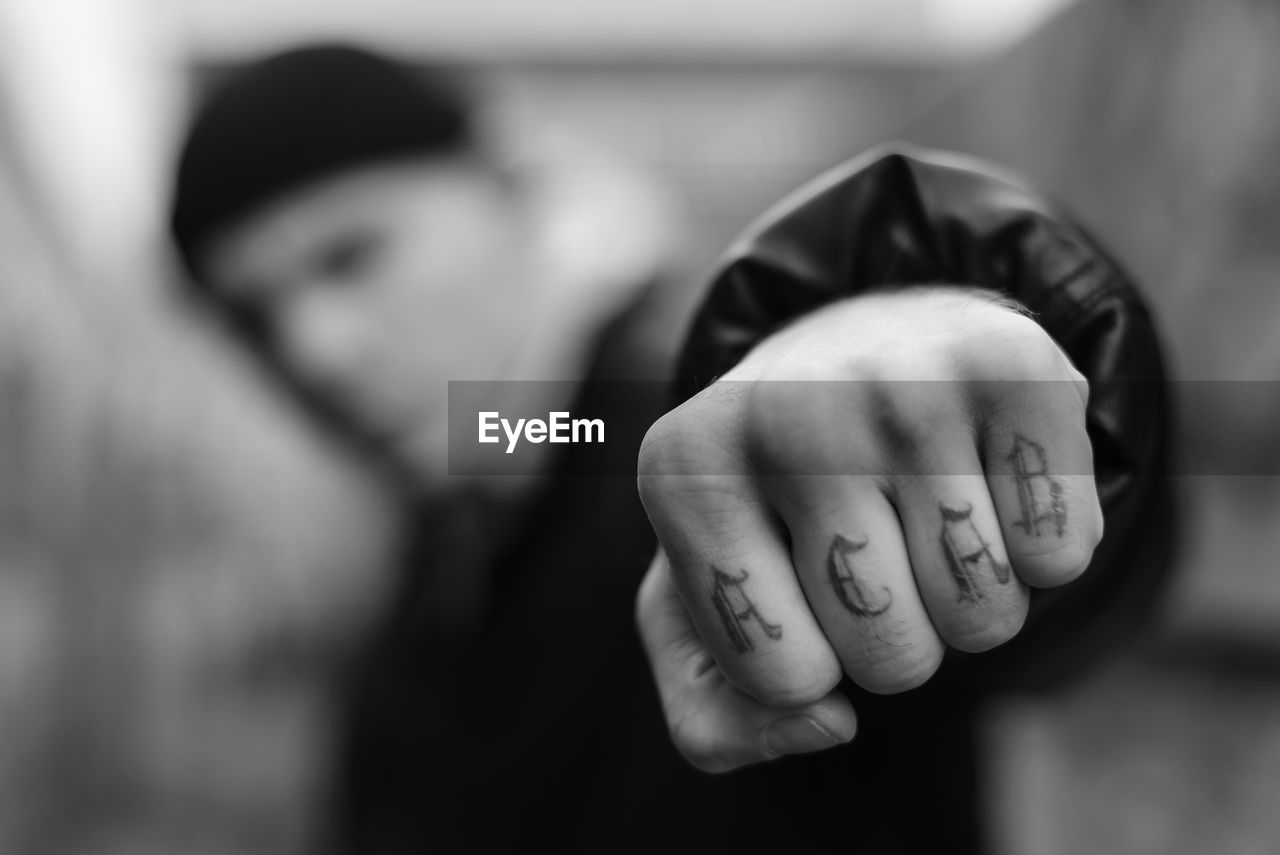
[901, 216]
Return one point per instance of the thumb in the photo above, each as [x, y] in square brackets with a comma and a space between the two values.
[716, 727]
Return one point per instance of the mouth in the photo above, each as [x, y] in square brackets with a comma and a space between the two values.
[378, 426]
[386, 430]
[393, 425]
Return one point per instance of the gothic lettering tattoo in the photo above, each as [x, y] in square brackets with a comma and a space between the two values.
[968, 553]
[736, 610]
[1039, 494]
[854, 593]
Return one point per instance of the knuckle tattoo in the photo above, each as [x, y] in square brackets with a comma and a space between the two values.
[738, 611]
[1040, 495]
[969, 555]
[853, 592]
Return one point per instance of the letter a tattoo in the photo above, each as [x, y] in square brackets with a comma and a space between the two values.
[853, 594]
[736, 609]
[967, 553]
[1039, 495]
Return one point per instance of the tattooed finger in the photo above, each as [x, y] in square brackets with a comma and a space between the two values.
[739, 614]
[969, 555]
[1041, 509]
[1040, 478]
[730, 564]
[851, 558]
[714, 726]
[856, 593]
[959, 559]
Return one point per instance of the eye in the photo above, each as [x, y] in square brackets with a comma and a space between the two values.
[348, 257]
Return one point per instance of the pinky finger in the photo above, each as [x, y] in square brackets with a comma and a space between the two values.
[713, 725]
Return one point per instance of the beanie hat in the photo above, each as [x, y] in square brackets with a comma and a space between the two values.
[300, 116]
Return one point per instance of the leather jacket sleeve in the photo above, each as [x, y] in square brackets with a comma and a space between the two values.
[901, 216]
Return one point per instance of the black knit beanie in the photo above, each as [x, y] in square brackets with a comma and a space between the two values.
[299, 116]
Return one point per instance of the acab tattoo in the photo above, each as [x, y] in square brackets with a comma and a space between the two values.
[854, 594]
[737, 610]
[1039, 494]
[968, 553]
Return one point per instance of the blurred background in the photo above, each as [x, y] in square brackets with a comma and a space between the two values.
[182, 564]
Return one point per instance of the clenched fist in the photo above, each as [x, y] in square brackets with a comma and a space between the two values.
[884, 478]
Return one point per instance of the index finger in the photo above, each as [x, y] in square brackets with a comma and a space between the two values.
[716, 727]
[731, 566]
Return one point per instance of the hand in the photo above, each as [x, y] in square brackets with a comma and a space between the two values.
[860, 526]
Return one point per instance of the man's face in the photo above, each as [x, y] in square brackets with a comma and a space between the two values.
[379, 285]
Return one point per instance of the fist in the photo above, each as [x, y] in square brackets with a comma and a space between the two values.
[883, 479]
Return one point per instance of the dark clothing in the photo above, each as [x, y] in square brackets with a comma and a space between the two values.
[541, 728]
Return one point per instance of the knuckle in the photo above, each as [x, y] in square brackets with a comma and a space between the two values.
[1052, 571]
[702, 506]
[1054, 560]
[998, 626]
[676, 458]
[905, 416]
[691, 439]
[1065, 564]
[795, 685]
[865, 369]
[1038, 356]
[904, 669]
[1059, 561]
[787, 423]
[1017, 326]
[1015, 347]
[665, 448]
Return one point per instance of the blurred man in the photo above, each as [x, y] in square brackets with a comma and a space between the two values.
[343, 215]
[345, 218]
